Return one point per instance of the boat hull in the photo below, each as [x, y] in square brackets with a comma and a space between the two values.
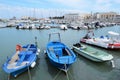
[25, 61]
[60, 66]
[89, 55]
[18, 72]
[100, 44]
[58, 57]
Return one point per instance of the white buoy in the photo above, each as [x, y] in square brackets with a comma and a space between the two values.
[112, 62]
[33, 65]
[37, 53]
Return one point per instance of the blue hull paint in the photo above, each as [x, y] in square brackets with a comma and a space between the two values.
[59, 65]
[16, 73]
[60, 55]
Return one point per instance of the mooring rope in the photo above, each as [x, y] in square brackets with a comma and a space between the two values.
[29, 73]
[70, 74]
[8, 76]
[113, 64]
[56, 75]
[67, 76]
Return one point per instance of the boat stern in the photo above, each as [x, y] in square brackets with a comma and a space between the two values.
[107, 58]
[114, 46]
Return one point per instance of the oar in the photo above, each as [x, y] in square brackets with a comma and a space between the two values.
[21, 59]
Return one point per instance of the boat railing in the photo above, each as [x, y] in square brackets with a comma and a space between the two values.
[93, 52]
[54, 33]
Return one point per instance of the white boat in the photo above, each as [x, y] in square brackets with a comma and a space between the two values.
[112, 42]
[2, 24]
[92, 53]
[63, 27]
[11, 24]
[20, 26]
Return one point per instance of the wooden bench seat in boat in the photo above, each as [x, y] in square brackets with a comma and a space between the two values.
[93, 52]
[58, 52]
[14, 58]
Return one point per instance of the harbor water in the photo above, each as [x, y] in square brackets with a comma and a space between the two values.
[82, 69]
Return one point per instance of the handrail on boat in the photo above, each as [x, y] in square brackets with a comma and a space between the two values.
[54, 33]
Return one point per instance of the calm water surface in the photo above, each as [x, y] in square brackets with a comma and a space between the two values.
[82, 69]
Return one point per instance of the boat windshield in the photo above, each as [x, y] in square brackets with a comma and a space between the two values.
[115, 37]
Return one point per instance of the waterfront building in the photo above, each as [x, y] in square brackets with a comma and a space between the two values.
[117, 18]
[72, 16]
[105, 16]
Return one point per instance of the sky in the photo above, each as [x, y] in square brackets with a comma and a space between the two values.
[45, 8]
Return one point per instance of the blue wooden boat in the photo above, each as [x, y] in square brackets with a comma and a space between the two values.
[59, 54]
[24, 58]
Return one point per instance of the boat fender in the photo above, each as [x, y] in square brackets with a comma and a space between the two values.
[37, 53]
[38, 50]
[112, 47]
[33, 65]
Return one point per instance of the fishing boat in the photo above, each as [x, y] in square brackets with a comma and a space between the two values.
[24, 58]
[108, 42]
[92, 53]
[59, 54]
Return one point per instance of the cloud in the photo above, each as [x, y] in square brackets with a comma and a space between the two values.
[47, 8]
[66, 2]
[73, 4]
[102, 8]
[8, 11]
[106, 5]
[117, 1]
[35, 2]
[103, 1]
